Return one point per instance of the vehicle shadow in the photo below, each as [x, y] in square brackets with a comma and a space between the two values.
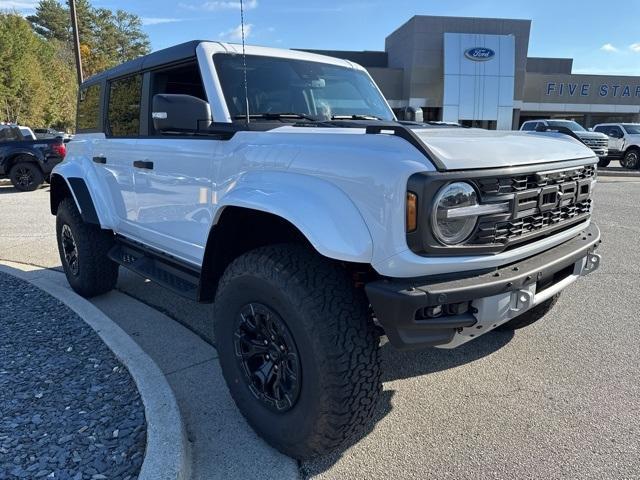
[397, 365]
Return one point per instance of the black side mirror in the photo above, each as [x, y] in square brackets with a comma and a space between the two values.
[180, 113]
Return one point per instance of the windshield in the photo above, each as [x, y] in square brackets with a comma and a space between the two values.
[631, 128]
[311, 90]
[573, 126]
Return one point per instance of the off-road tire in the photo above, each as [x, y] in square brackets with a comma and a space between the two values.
[26, 176]
[329, 322]
[530, 316]
[96, 273]
[603, 162]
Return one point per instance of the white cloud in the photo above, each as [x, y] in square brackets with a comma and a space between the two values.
[20, 5]
[607, 47]
[159, 21]
[216, 5]
[235, 34]
[635, 47]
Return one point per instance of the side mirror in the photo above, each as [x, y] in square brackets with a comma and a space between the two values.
[180, 113]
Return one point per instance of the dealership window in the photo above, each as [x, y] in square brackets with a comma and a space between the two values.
[89, 108]
[123, 114]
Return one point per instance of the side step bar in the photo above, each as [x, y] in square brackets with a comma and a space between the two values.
[157, 267]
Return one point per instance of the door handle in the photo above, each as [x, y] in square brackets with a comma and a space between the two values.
[100, 159]
[143, 164]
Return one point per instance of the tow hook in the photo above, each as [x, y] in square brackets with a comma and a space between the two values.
[591, 264]
[521, 300]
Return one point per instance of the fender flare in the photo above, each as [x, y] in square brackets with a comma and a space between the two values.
[21, 152]
[79, 192]
[319, 209]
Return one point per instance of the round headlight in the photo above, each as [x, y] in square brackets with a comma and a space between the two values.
[448, 228]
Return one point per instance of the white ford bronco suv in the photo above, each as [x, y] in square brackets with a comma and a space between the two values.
[279, 185]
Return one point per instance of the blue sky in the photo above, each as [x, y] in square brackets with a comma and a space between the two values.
[602, 37]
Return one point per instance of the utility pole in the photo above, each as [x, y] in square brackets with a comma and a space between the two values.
[76, 39]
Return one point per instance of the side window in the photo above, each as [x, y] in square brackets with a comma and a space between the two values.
[602, 129]
[617, 132]
[8, 134]
[528, 126]
[123, 113]
[184, 79]
[89, 108]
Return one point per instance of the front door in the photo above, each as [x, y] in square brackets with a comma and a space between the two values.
[173, 185]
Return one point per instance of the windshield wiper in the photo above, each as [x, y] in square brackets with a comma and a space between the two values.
[355, 117]
[277, 116]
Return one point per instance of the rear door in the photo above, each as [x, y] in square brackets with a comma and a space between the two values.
[122, 128]
[173, 174]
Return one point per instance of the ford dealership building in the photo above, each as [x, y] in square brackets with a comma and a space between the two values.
[476, 71]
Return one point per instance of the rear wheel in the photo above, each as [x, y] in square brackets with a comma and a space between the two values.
[631, 159]
[297, 348]
[83, 251]
[530, 316]
[26, 176]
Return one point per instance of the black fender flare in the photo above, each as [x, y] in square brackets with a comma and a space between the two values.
[77, 189]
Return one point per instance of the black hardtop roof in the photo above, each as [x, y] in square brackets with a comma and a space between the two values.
[165, 56]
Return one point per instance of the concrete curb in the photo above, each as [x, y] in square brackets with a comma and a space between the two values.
[166, 455]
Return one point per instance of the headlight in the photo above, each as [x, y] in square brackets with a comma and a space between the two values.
[448, 227]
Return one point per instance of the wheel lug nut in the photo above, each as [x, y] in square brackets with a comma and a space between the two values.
[282, 347]
[266, 343]
[267, 356]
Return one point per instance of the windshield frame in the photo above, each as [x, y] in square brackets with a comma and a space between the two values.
[237, 116]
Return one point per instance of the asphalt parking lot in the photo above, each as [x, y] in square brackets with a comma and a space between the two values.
[560, 399]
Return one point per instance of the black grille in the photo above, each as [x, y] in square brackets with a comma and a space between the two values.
[504, 232]
[503, 185]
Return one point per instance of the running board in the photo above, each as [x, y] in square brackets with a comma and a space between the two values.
[163, 270]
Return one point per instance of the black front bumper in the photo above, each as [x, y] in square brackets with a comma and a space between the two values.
[396, 302]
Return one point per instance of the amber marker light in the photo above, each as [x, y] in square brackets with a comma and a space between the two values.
[412, 211]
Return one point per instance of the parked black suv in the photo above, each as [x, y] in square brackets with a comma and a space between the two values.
[27, 162]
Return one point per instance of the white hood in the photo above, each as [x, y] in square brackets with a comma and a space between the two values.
[465, 148]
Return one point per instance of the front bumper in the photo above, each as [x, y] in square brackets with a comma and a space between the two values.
[494, 296]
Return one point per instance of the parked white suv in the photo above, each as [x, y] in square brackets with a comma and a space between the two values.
[598, 142]
[315, 221]
[624, 142]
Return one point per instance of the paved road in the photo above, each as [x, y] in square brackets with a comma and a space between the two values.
[560, 399]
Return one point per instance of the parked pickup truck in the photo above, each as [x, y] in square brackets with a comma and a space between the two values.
[26, 161]
[315, 222]
[624, 142]
[598, 142]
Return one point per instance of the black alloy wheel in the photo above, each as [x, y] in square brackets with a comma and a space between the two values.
[631, 160]
[268, 356]
[24, 177]
[70, 250]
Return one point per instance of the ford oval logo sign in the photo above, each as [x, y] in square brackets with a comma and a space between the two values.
[479, 54]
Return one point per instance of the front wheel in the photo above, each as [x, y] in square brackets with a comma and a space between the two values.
[603, 162]
[298, 349]
[26, 176]
[83, 251]
[530, 316]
